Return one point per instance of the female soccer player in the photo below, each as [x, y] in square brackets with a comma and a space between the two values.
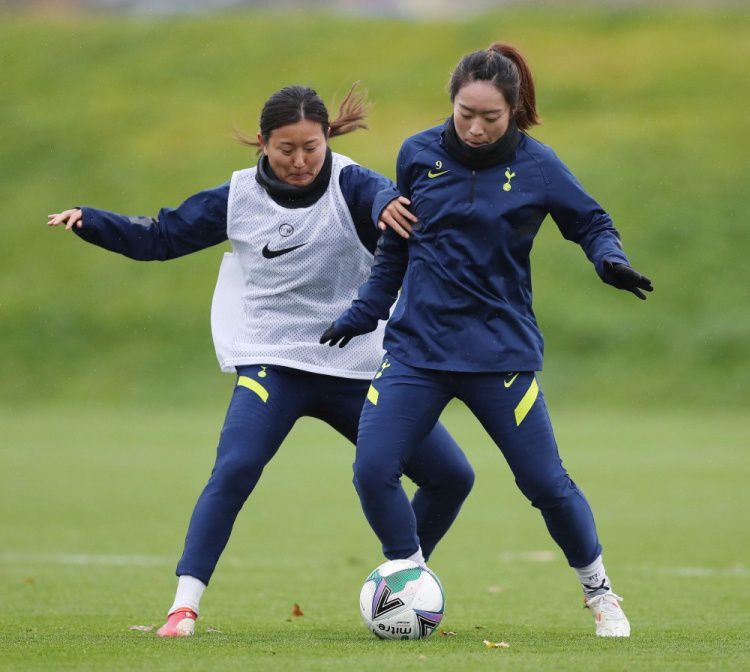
[300, 226]
[479, 189]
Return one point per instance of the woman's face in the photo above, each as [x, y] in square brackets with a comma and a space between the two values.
[296, 152]
[480, 113]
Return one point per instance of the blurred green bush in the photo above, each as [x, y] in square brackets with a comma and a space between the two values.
[648, 108]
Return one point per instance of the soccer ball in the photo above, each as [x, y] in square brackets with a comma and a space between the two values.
[401, 600]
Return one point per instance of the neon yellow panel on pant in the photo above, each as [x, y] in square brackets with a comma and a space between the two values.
[372, 396]
[255, 386]
[527, 401]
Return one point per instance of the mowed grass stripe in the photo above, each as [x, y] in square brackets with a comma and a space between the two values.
[101, 494]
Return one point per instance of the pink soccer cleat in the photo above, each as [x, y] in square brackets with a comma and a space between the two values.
[180, 623]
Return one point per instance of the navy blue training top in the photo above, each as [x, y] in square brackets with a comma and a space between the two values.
[201, 220]
[464, 273]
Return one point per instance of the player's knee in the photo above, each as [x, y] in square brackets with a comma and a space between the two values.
[465, 478]
[366, 479]
[548, 492]
[239, 466]
[238, 475]
[371, 477]
[459, 480]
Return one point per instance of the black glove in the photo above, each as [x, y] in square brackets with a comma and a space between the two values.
[624, 277]
[334, 334]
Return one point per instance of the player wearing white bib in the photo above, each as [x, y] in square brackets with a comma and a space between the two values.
[302, 236]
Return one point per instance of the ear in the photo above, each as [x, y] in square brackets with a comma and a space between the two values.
[262, 144]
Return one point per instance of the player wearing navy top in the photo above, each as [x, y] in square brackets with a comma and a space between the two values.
[302, 237]
[470, 197]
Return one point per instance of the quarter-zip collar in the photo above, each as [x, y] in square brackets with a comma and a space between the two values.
[500, 151]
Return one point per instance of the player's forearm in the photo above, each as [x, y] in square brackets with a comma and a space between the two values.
[387, 274]
[199, 222]
[138, 238]
[376, 297]
[601, 242]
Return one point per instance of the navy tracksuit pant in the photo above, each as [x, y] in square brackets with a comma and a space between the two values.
[405, 402]
[266, 403]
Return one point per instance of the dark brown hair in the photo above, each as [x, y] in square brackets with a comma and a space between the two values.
[295, 103]
[506, 68]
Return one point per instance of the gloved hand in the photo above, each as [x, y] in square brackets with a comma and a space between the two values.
[334, 334]
[624, 277]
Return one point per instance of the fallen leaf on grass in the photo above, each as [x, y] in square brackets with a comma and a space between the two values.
[142, 628]
[496, 645]
[447, 633]
[296, 611]
[29, 581]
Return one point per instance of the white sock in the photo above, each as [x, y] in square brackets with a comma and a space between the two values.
[593, 578]
[189, 593]
[418, 558]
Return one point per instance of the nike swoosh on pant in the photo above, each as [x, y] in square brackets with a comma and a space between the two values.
[510, 382]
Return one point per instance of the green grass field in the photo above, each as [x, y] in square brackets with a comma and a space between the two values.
[96, 500]
[111, 402]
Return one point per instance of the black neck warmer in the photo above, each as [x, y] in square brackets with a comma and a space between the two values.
[287, 195]
[500, 151]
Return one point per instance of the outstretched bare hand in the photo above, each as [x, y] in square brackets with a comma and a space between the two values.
[70, 218]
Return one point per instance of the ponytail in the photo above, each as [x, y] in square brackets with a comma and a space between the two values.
[352, 112]
[525, 107]
[295, 103]
[506, 68]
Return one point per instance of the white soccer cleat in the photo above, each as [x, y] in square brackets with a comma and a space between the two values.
[609, 617]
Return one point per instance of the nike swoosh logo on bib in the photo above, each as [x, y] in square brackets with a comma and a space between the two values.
[270, 254]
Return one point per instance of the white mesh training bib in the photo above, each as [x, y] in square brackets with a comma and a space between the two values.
[292, 272]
